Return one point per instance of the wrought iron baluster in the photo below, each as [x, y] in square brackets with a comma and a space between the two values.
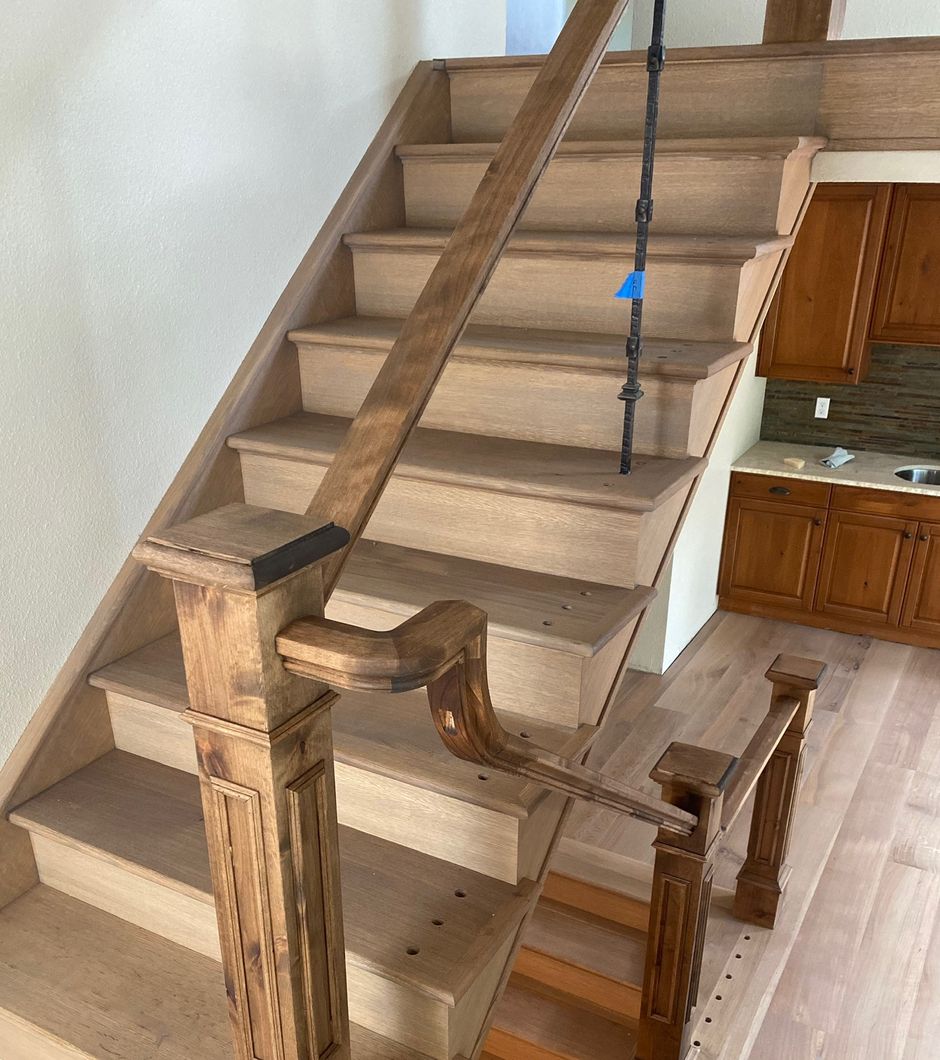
[636, 283]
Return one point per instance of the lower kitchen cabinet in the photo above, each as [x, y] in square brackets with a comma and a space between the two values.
[865, 567]
[860, 560]
[922, 603]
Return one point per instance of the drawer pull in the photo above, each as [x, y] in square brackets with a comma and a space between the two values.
[780, 491]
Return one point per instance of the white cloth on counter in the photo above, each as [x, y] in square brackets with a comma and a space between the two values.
[838, 458]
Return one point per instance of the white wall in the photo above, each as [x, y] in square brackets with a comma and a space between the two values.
[164, 167]
[720, 22]
[688, 596]
[533, 25]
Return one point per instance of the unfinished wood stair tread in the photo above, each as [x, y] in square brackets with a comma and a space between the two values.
[532, 469]
[530, 1026]
[607, 950]
[714, 249]
[118, 990]
[699, 147]
[673, 358]
[378, 732]
[147, 819]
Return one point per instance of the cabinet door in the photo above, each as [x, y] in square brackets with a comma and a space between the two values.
[922, 602]
[907, 307]
[772, 553]
[865, 567]
[817, 327]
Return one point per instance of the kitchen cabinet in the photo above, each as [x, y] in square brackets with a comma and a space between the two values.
[922, 602]
[907, 308]
[856, 559]
[817, 326]
[865, 567]
[773, 545]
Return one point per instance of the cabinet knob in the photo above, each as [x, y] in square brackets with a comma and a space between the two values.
[925, 537]
[817, 522]
[780, 491]
[907, 535]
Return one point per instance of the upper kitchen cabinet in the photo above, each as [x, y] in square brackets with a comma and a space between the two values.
[817, 327]
[907, 307]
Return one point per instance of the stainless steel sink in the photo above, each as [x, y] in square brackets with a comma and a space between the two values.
[923, 476]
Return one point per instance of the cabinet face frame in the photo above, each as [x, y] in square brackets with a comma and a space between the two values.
[805, 583]
[896, 255]
[856, 350]
[897, 575]
[924, 582]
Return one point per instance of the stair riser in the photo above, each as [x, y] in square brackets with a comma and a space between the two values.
[741, 98]
[616, 1001]
[687, 299]
[735, 195]
[496, 844]
[534, 533]
[391, 1009]
[536, 403]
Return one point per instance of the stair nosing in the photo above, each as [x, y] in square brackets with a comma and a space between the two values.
[507, 918]
[481, 344]
[734, 148]
[728, 252]
[519, 807]
[686, 468]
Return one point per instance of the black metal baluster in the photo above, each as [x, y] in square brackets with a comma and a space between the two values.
[631, 392]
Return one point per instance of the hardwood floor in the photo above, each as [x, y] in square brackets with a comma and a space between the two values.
[851, 972]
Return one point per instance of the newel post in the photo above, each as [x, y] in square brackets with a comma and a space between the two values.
[763, 877]
[264, 747]
[693, 779]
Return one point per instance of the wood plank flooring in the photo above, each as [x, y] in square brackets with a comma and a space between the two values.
[852, 971]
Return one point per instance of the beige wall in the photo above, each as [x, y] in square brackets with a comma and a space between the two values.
[164, 167]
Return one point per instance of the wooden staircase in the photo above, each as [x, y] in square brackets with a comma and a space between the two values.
[506, 496]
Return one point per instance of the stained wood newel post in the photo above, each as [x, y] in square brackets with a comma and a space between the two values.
[264, 744]
[763, 877]
[694, 780]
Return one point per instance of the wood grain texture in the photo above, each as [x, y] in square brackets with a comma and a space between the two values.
[396, 400]
[567, 282]
[818, 326]
[796, 21]
[702, 186]
[444, 647]
[486, 386]
[120, 991]
[905, 306]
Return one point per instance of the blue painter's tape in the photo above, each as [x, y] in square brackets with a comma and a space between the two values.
[634, 286]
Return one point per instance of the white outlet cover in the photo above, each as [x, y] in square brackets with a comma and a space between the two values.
[822, 408]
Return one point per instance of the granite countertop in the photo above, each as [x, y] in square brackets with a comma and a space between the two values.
[873, 470]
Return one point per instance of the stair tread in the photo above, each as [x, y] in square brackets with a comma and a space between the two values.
[730, 250]
[148, 818]
[80, 976]
[608, 950]
[534, 469]
[562, 1030]
[391, 735]
[678, 358]
[693, 147]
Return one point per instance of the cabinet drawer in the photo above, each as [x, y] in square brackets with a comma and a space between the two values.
[779, 488]
[886, 502]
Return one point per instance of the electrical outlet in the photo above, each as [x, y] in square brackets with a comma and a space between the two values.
[822, 408]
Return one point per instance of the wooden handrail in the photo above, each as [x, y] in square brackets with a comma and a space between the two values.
[444, 648]
[756, 755]
[373, 444]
